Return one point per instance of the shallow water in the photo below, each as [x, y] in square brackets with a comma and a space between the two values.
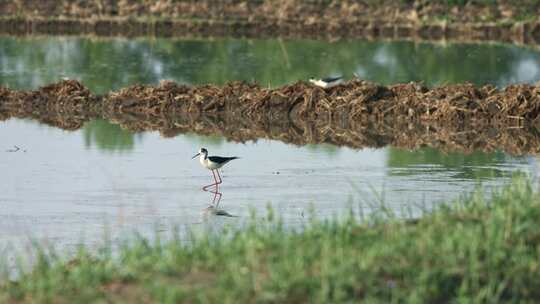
[66, 187]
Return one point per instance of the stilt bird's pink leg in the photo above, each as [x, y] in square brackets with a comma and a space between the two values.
[220, 181]
[216, 194]
[205, 188]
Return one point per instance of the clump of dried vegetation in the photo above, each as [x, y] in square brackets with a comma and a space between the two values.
[355, 114]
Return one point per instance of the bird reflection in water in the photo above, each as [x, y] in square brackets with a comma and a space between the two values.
[213, 208]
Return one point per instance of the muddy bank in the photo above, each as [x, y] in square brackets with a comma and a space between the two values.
[501, 21]
[356, 114]
[354, 100]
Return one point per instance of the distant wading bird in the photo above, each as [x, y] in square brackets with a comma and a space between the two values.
[212, 163]
[327, 82]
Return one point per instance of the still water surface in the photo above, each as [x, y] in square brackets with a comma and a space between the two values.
[110, 64]
[63, 185]
[72, 186]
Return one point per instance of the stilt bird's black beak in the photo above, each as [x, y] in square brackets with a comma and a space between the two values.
[196, 155]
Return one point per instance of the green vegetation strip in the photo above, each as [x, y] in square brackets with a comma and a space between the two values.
[471, 251]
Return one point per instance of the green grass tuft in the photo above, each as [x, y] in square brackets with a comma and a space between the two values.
[473, 250]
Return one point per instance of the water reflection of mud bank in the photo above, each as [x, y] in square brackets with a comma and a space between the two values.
[358, 114]
[464, 138]
[508, 21]
[520, 32]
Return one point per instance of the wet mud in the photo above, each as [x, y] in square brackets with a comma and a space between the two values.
[424, 20]
[356, 114]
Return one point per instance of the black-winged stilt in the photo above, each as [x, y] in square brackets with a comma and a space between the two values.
[212, 163]
[327, 82]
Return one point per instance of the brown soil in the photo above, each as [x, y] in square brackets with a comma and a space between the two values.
[420, 19]
[356, 114]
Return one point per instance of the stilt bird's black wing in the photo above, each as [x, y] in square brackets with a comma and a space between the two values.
[221, 160]
[331, 79]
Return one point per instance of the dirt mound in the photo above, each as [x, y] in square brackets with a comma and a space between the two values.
[65, 96]
[355, 114]
[353, 100]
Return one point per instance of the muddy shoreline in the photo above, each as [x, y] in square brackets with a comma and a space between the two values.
[357, 114]
[331, 20]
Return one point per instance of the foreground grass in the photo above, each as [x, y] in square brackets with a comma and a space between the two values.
[474, 251]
